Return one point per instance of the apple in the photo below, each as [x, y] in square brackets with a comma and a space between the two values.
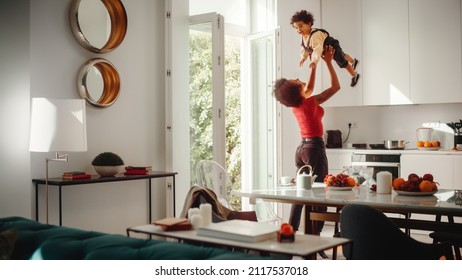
[412, 175]
[428, 177]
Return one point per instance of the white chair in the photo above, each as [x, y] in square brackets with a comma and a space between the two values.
[210, 174]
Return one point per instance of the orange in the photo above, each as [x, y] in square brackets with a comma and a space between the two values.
[426, 186]
[427, 144]
[351, 182]
[420, 144]
[398, 182]
[435, 144]
[435, 187]
[286, 229]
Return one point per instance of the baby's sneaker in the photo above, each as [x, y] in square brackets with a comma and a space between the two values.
[355, 63]
[354, 80]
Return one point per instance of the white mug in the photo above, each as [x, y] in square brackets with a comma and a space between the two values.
[285, 180]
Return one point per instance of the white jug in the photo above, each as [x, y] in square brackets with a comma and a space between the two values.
[424, 134]
[305, 181]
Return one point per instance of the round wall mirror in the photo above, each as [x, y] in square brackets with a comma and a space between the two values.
[98, 25]
[98, 82]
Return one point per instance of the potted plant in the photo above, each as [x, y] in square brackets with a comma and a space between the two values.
[107, 164]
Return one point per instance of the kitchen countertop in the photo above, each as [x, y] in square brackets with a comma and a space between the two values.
[441, 151]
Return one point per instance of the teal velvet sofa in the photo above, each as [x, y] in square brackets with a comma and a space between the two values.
[35, 240]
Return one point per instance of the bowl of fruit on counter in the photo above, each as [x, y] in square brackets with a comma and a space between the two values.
[340, 182]
[415, 185]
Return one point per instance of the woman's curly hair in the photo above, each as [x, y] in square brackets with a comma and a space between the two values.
[288, 93]
[303, 16]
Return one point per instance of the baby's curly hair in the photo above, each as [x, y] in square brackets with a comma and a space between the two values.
[288, 93]
[303, 16]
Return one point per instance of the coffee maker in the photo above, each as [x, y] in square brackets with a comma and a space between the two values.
[457, 128]
[457, 138]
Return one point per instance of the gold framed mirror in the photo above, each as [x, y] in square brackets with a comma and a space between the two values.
[98, 82]
[98, 25]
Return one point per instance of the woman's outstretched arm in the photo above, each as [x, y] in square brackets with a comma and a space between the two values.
[334, 82]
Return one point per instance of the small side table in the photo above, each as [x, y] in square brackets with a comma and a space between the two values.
[60, 183]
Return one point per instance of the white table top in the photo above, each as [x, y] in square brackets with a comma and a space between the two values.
[319, 194]
[304, 245]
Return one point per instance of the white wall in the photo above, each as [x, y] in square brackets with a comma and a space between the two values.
[378, 123]
[15, 187]
[133, 127]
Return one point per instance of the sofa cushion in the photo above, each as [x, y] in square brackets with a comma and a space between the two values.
[50, 242]
[7, 241]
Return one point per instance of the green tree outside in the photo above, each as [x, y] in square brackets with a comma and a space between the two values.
[201, 106]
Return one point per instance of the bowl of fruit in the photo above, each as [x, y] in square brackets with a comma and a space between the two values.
[415, 185]
[340, 182]
[428, 145]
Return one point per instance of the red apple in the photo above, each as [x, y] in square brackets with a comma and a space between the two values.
[428, 177]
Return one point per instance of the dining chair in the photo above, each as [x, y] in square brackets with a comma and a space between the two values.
[376, 237]
[210, 174]
[455, 239]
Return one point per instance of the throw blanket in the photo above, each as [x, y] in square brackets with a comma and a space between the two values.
[198, 195]
[193, 199]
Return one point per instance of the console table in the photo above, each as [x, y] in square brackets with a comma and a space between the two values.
[60, 183]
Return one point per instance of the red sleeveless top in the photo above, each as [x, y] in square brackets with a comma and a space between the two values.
[309, 118]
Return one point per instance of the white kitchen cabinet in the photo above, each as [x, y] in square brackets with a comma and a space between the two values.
[441, 166]
[342, 19]
[338, 159]
[435, 51]
[385, 72]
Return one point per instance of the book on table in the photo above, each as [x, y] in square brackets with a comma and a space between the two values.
[173, 224]
[75, 175]
[137, 170]
[240, 230]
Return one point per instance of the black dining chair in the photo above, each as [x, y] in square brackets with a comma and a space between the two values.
[376, 237]
[455, 239]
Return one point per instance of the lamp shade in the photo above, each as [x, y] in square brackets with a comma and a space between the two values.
[58, 125]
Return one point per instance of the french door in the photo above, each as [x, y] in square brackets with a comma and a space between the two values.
[232, 117]
[259, 164]
[207, 89]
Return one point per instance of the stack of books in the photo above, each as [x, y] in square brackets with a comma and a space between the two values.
[75, 175]
[137, 170]
[240, 230]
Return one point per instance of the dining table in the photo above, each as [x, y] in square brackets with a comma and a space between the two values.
[410, 208]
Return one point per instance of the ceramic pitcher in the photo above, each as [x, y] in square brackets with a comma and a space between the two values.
[305, 181]
[424, 134]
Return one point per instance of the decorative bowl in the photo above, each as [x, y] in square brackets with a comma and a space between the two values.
[107, 171]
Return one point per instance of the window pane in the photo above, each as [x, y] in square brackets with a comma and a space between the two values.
[262, 112]
[201, 129]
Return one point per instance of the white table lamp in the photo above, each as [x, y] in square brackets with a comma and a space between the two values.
[57, 125]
